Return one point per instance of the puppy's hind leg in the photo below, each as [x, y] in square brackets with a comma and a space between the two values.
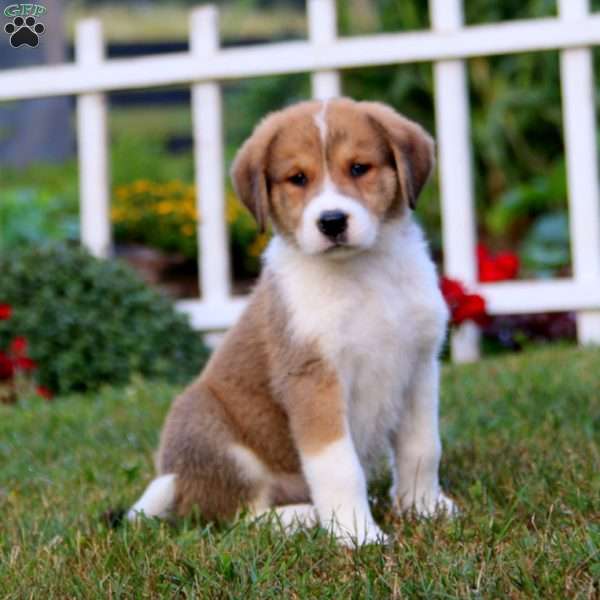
[157, 500]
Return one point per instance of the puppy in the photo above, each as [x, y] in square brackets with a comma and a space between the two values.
[334, 363]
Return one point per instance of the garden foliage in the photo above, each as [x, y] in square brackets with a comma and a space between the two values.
[90, 322]
[164, 216]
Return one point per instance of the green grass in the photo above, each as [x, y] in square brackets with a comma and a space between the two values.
[521, 437]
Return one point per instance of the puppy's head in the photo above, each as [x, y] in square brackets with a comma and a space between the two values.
[328, 174]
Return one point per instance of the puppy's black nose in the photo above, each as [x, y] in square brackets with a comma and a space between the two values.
[332, 223]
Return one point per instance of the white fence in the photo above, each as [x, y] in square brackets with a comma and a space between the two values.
[447, 45]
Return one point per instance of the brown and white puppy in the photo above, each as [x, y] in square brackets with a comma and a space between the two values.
[334, 363]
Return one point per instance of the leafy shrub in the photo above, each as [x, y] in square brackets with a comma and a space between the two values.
[39, 205]
[29, 216]
[545, 249]
[518, 206]
[90, 322]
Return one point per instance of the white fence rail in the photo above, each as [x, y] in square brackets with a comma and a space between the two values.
[447, 45]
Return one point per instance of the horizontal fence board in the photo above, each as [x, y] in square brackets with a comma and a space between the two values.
[522, 297]
[213, 317]
[504, 298]
[301, 56]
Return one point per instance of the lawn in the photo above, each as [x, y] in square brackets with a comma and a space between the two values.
[521, 437]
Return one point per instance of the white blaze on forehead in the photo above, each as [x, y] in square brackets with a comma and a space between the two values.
[320, 121]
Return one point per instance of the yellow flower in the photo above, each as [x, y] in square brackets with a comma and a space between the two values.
[174, 186]
[258, 245]
[141, 185]
[188, 230]
[188, 210]
[233, 209]
[116, 213]
[164, 207]
[159, 190]
[122, 192]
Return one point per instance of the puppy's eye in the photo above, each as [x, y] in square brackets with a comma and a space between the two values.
[358, 169]
[298, 179]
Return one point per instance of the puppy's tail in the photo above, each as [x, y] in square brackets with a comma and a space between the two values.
[157, 500]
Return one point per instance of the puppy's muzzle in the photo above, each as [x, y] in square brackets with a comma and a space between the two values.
[332, 224]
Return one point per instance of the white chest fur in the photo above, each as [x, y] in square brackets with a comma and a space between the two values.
[372, 315]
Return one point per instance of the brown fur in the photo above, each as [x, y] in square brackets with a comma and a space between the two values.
[257, 382]
[261, 389]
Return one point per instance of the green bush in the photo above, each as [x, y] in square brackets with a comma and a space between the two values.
[90, 322]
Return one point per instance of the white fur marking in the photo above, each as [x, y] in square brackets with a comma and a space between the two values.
[375, 316]
[418, 449]
[157, 500]
[362, 225]
[321, 122]
[339, 491]
[255, 471]
[251, 467]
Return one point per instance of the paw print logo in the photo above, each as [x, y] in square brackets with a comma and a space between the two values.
[24, 31]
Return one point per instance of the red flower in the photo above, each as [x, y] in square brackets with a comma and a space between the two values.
[18, 347]
[452, 290]
[471, 308]
[22, 363]
[6, 366]
[44, 392]
[505, 265]
[5, 311]
[509, 263]
[463, 306]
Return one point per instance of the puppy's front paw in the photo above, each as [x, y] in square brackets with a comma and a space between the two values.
[356, 532]
[429, 506]
[371, 535]
[442, 505]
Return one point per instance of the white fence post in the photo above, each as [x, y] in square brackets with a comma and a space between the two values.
[209, 159]
[456, 183]
[577, 80]
[322, 31]
[92, 140]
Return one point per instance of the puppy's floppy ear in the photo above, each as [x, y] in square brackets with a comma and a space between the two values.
[249, 172]
[411, 145]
